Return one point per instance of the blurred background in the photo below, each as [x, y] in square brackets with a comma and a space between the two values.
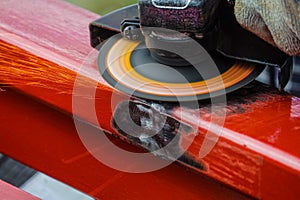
[102, 6]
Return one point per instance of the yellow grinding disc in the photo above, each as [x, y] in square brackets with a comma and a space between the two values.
[128, 66]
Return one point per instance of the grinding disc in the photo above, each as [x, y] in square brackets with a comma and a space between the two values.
[128, 66]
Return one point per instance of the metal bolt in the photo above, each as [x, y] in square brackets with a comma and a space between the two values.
[132, 33]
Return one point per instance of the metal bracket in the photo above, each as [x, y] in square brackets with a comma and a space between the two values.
[277, 77]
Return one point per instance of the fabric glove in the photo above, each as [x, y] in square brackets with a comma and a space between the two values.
[275, 21]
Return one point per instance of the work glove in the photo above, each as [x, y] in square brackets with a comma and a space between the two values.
[275, 21]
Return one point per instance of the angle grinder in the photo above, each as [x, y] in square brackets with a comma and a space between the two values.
[170, 50]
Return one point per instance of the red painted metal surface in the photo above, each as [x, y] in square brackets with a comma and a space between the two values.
[257, 152]
[46, 140]
[8, 192]
[260, 141]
